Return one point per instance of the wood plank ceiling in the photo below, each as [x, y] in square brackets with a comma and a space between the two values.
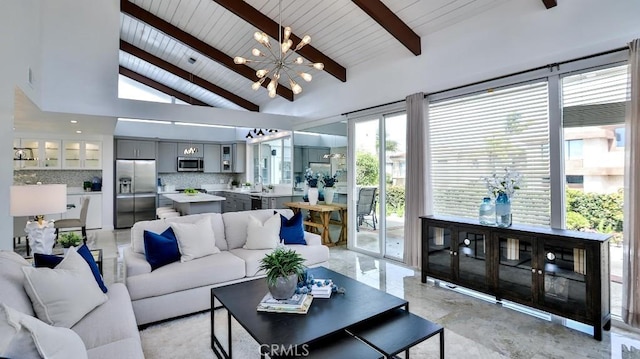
[160, 39]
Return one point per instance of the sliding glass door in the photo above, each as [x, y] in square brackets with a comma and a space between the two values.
[378, 202]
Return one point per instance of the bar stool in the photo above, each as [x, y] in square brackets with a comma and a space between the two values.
[160, 210]
[168, 214]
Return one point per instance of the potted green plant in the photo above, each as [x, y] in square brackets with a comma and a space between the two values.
[283, 267]
[69, 239]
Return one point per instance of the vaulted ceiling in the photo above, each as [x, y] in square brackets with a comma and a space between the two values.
[186, 48]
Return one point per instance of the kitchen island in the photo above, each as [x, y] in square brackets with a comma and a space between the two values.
[195, 203]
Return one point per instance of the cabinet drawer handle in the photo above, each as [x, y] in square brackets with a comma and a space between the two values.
[455, 253]
[533, 270]
[451, 252]
[539, 271]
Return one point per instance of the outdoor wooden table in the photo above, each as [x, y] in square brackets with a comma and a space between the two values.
[320, 218]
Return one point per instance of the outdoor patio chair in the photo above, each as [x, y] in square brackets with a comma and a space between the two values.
[366, 207]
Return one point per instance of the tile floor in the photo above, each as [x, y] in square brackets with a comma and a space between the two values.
[485, 328]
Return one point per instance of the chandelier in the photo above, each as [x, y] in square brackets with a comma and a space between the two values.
[279, 61]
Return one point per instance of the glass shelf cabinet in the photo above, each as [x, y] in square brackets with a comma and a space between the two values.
[562, 272]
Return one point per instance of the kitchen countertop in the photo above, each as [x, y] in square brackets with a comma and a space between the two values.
[198, 197]
[261, 194]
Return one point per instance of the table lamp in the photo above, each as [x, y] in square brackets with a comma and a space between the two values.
[38, 200]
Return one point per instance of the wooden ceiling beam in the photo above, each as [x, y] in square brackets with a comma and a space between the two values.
[271, 28]
[392, 23]
[196, 44]
[160, 87]
[550, 3]
[186, 75]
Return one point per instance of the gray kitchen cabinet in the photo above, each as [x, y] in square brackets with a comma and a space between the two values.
[135, 149]
[316, 154]
[212, 159]
[275, 202]
[164, 201]
[190, 149]
[297, 159]
[240, 154]
[232, 157]
[167, 159]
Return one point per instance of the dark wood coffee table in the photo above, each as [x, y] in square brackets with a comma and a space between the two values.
[296, 332]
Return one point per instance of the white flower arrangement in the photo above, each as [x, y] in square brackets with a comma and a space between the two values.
[507, 183]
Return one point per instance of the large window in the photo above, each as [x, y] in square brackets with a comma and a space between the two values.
[134, 90]
[593, 107]
[477, 135]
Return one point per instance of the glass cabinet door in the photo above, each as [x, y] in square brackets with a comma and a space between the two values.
[439, 251]
[92, 155]
[517, 267]
[472, 261]
[34, 145]
[565, 274]
[71, 154]
[51, 154]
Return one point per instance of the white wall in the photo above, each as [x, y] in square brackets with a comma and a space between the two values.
[519, 35]
[80, 42]
[20, 43]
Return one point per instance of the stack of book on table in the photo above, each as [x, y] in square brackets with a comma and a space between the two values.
[297, 304]
[322, 288]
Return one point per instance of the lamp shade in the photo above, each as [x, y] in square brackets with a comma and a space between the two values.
[30, 200]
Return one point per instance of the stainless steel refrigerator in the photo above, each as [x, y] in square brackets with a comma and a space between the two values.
[135, 192]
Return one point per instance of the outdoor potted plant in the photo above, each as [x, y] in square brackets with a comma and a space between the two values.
[69, 239]
[283, 267]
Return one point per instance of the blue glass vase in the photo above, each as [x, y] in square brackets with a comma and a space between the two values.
[503, 210]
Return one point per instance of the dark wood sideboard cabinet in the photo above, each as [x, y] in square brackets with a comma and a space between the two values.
[562, 272]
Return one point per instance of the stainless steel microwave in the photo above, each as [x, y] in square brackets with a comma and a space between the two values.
[190, 164]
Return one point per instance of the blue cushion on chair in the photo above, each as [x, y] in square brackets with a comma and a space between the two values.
[161, 249]
[46, 260]
[291, 230]
[85, 253]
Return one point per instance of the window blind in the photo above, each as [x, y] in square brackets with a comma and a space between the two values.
[474, 136]
[595, 98]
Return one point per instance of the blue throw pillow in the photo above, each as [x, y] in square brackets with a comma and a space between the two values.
[291, 230]
[46, 260]
[85, 253]
[161, 249]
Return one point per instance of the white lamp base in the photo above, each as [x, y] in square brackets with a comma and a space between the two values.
[41, 238]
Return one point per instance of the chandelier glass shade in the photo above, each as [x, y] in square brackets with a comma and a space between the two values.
[280, 60]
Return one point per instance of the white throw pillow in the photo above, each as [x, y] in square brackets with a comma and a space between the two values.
[263, 235]
[62, 296]
[32, 338]
[195, 240]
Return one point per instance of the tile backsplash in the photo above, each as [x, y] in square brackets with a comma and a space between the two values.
[73, 178]
[194, 180]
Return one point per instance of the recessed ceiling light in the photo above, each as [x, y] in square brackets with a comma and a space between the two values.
[78, 131]
[73, 121]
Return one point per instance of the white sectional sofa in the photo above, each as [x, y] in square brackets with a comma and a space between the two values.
[181, 288]
[108, 331]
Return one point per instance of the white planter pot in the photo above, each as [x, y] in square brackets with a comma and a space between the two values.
[328, 194]
[313, 196]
